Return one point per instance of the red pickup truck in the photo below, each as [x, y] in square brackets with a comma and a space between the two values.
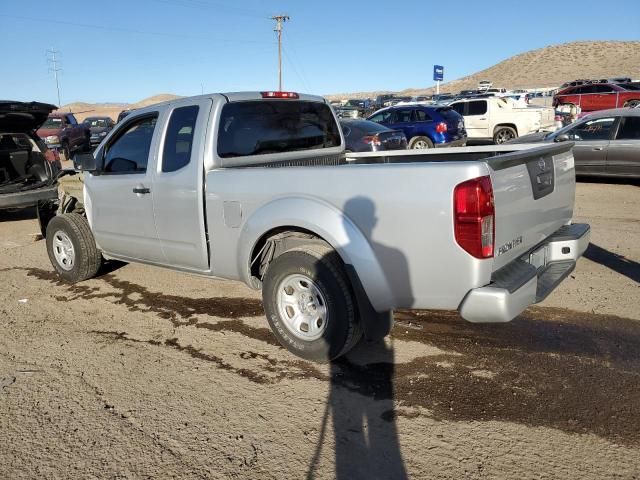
[599, 96]
[62, 132]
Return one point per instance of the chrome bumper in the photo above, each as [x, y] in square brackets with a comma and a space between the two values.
[529, 279]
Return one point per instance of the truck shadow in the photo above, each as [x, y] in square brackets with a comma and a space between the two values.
[617, 263]
[18, 215]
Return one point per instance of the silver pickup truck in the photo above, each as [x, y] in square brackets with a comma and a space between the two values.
[256, 187]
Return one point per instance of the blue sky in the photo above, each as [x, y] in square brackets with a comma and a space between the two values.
[123, 51]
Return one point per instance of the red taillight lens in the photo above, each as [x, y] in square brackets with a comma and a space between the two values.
[474, 217]
[441, 127]
[372, 140]
[293, 95]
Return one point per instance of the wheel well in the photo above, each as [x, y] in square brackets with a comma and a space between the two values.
[274, 243]
[632, 100]
[512, 125]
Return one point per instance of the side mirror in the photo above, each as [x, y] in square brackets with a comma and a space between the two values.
[85, 162]
[562, 138]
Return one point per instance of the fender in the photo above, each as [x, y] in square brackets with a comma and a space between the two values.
[329, 223]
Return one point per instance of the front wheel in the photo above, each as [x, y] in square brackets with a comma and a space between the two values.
[503, 135]
[309, 303]
[71, 247]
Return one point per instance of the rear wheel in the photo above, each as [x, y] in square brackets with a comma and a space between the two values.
[504, 134]
[71, 247]
[309, 303]
[420, 143]
[632, 103]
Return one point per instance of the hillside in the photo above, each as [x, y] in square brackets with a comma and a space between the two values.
[83, 110]
[546, 67]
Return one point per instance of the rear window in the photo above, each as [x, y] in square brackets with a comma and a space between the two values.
[275, 126]
[449, 114]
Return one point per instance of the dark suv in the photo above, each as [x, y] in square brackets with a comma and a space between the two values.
[424, 126]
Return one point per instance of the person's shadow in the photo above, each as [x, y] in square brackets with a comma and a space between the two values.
[361, 398]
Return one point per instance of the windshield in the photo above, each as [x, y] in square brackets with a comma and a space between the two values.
[355, 103]
[96, 122]
[52, 123]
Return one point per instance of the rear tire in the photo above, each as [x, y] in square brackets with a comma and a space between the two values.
[71, 247]
[420, 143]
[503, 135]
[632, 103]
[310, 305]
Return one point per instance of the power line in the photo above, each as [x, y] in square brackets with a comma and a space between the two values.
[52, 60]
[298, 73]
[130, 30]
[280, 19]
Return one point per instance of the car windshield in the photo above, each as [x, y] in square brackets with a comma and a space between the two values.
[52, 123]
[355, 103]
[96, 122]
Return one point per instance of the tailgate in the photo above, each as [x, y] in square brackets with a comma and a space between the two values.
[534, 192]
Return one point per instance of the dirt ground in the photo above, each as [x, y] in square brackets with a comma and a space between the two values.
[146, 373]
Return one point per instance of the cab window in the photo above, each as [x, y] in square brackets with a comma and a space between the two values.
[477, 107]
[178, 140]
[129, 151]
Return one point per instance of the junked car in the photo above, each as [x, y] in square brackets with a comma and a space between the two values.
[28, 169]
[62, 132]
[99, 127]
[256, 186]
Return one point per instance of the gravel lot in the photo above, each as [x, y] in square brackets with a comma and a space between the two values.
[145, 373]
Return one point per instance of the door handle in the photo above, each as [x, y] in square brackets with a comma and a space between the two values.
[482, 119]
[597, 149]
[141, 190]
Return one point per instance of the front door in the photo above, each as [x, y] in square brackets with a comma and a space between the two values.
[476, 119]
[592, 139]
[178, 188]
[119, 199]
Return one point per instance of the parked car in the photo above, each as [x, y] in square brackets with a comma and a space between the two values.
[395, 100]
[607, 142]
[424, 126]
[381, 99]
[122, 115]
[501, 119]
[333, 247]
[599, 96]
[366, 136]
[99, 127]
[62, 132]
[354, 108]
[28, 169]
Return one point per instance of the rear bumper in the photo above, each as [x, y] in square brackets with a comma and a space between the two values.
[520, 284]
[28, 198]
[455, 143]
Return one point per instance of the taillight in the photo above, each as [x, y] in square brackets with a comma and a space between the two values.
[372, 140]
[293, 95]
[474, 216]
[441, 127]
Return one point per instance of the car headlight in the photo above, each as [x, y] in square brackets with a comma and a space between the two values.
[52, 139]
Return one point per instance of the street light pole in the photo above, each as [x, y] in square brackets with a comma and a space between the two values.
[280, 19]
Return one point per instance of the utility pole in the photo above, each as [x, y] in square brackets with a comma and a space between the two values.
[280, 19]
[53, 61]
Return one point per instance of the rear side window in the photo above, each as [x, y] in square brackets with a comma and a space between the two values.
[422, 116]
[449, 114]
[129, 152]
[179, 138]
[629, 129]
[275, 126]
[404, 116]
[477, 108]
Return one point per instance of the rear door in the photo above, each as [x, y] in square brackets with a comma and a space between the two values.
[119, 200]
[604, 97]
[623, 157]
[477, 120]
[592, 139]
[404, 119]
[178, 191]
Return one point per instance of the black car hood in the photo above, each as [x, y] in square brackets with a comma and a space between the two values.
[19, 117]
